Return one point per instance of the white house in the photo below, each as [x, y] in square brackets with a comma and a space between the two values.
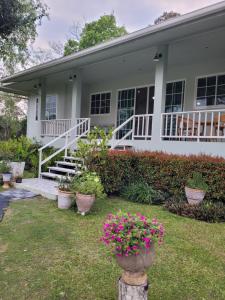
[161, 88]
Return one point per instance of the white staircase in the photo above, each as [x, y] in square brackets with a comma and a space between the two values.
[68, 166]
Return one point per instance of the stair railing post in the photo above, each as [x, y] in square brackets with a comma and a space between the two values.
[40, 164]
[66, 145]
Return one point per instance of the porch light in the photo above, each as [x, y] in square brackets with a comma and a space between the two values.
[72, 77]
[157, 56]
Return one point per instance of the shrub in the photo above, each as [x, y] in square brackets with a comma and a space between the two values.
[197, 182]
[142, 193]
[88, 184]
[128, 234]
[164, 172]
[4, 168]
[206, 211]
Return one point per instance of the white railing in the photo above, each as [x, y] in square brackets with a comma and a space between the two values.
[205, 125]
[55, 127]
[136, 127]
[70, 137]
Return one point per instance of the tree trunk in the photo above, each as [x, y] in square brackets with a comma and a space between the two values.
[132, 292]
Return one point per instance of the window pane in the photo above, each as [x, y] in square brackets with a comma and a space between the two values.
[169, 88]
[177, 99]
[201, 82]
[50, 107]
[221, 90]
[211, 80]
[100, 103]
[210, 101]
[220, 100]
[221, 79]
[178, 87]
[211, 91]
[201, 92]
[169, 100]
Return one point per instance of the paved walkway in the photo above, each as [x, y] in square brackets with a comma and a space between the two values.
[13, 195]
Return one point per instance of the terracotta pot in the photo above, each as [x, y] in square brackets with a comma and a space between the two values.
[84, 202]
[194, 196]
[135, 266]
[64, 199]
[6, 179]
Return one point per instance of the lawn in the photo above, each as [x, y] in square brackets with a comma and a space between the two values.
[46, 253]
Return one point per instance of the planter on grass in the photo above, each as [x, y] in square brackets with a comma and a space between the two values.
[6, 177]
[84, 203]
[132, 238]
[64, 199]
[195, 189]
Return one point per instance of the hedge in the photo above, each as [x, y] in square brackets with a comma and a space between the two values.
[164, 172]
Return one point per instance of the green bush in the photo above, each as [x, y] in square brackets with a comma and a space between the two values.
[4, 167]
[164, 172]
[206, 211]
[141, 192]
[197, 182]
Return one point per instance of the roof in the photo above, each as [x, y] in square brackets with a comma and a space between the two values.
[153, 33]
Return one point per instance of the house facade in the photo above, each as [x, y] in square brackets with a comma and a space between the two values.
[161, 88]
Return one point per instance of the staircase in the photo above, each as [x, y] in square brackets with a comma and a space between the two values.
[68, 166]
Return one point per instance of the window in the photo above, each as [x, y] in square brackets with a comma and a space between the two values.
[211, 91]
[100, 103]
[174, 96]
[50, 109]
[36, 109]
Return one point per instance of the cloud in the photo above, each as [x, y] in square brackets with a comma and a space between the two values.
[133, 14]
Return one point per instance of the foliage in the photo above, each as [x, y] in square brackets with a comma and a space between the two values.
[94, 147]
[4, 167]
[165, 172]
[18, 22]
[166, 16]
[141, 192]
[88, 184]
[128, 234]
[197, 182]
[205, 211]
[93, 33]
[190, 265]
[65, 184]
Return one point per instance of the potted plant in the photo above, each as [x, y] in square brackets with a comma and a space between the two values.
[195, 189]
[87, 188]
[6, 175]
[64, 193]
[132, 239]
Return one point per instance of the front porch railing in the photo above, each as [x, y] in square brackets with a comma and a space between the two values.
[205, 125]
[54, 128]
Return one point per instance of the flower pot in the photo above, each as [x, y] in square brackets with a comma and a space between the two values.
[19, 180]
[64, 199]
[84, 202]
[135, 266]
[17, 169]
[6, 177]
[194, 196]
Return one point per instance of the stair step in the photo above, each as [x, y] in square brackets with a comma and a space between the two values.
[51, 175]
[69, 164]
[73, 158]
[62, 170]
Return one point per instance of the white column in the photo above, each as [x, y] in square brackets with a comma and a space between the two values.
[76, 96]
[160, 90]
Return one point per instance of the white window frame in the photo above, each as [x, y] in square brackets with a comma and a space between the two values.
[185, 87]
[56, 97]
[110, 105]
[37, 109]
[206, 107]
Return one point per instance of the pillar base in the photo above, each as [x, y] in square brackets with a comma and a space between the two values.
[132, 292]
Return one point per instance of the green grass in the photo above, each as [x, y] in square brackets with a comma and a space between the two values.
[46, 253]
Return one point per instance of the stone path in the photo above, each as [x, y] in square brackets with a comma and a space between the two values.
[13, 195]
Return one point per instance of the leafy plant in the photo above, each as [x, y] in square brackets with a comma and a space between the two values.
[206, 211]
[65, 184]
[88, 184]
[94, 147]
[197, 182]
[142, 193]
[128, 234]
[4, 167]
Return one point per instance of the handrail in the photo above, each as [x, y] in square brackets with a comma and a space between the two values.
[84, 122]
[194, 111]
[121, 126]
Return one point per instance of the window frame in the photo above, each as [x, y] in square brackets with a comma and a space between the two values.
[184, 92]
[56, 106]
[36, 117]
[207, 107]
[110, 104]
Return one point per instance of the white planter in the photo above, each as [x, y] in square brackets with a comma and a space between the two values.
[64, 199]
[17, 169]
[6, 177]
[194, 196]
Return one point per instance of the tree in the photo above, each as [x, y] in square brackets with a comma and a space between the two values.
[93, 33]
[18, 22]
[166, 16]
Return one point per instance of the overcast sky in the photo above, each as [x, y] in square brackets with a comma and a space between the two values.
[133, 14]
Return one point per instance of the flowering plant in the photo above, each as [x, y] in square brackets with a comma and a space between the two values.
[128, 234]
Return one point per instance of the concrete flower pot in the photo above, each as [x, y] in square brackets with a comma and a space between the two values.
[84, 202]
[135, 266]
[64, 199]
[194, 196]
[6, 177]
[17, 169]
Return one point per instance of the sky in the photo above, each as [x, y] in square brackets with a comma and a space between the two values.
[133, 14]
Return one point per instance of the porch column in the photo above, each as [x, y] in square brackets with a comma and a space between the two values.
[43, 98]
[76, 96]
[160, 91]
